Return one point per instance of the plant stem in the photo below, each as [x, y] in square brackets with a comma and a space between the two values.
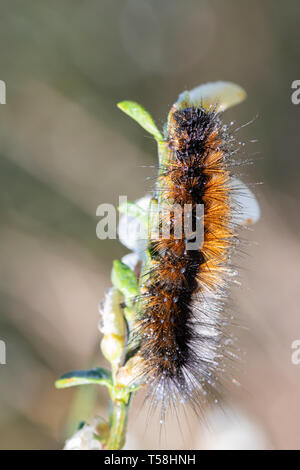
[117, 434]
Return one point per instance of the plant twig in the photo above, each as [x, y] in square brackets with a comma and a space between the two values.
[117, 433]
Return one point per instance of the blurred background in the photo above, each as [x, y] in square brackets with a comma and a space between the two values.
[65, 148]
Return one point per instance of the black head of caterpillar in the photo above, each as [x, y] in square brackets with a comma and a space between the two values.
[181, 313]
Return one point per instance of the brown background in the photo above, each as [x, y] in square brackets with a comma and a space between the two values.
[65, 148]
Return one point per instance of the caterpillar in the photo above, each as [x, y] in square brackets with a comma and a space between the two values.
[182, 317]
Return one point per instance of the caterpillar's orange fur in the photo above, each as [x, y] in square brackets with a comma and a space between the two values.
[181, 313]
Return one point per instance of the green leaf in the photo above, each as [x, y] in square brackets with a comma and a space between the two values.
[124, 279]
[163, 154]
[98, 375]
[140, 115]
[133, 210]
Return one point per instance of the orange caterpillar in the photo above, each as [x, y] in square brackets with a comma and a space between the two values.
[182, 320]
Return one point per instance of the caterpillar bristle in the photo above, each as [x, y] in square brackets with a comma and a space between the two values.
[182, 320]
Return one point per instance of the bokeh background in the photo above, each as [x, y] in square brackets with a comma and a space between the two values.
[65, 148]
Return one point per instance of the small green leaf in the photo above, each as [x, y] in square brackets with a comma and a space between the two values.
[163, 154]
[98, 375]
[133, 210]
[124, 279]
[140, 115]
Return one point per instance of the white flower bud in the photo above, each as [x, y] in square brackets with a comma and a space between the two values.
[131, 232]
[112, 326]
[223, 95]
[247, 210]
[85, 438]
[131, 373]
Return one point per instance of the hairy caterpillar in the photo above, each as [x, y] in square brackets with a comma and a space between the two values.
[182, 319]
